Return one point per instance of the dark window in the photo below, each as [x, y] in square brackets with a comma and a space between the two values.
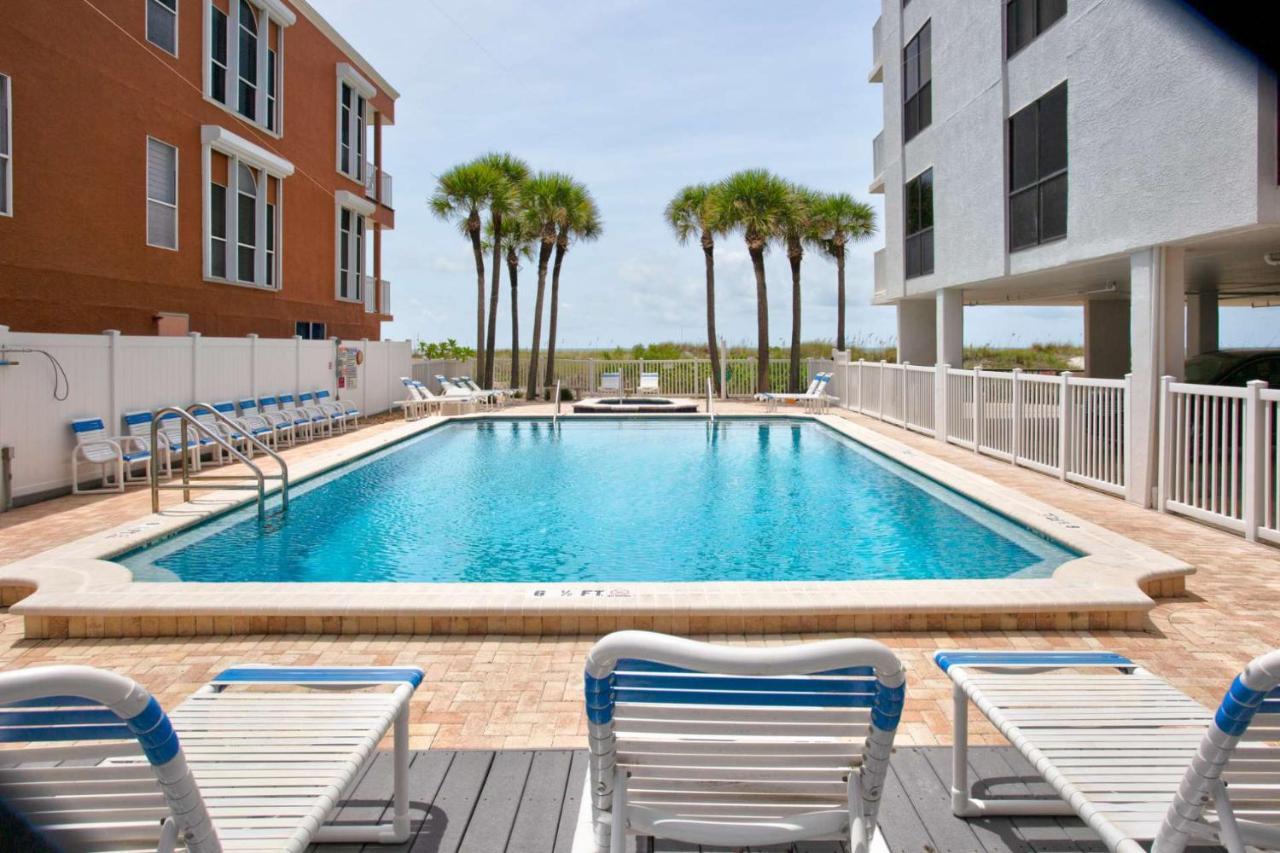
[271, 245]
[217, 230]
[1026, 19]
[1038, 171]
[248, 104]
[162, 24]
[917, 86]
[218, 56]
[919, 207]
[309, 331]
[271, 90]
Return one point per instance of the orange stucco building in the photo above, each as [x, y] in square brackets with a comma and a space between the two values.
[190, 165]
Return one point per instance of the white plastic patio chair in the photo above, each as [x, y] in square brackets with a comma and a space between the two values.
[116, 456]
[197, 441]
[308, 419]
[244, 427]
[257, 759]
[348, 410]
[739, 746]
[496, 397]
[281, 424]
[451, 395]
[648, 384]
[611, 381]
[1133, 757]
[137, 425]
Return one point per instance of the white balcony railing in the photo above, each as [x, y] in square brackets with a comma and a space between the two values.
[384, 189]
[384, 297]
[369, 293]
[877, 156]
[370, 180]
[877, 61]
[878, 275]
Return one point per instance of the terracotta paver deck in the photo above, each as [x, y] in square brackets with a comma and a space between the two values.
[523, 692]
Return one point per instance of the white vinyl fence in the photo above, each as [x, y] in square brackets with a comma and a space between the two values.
[425, 370]
[46, 380]
[1219, 452]
[679, 377]
[1064, 426]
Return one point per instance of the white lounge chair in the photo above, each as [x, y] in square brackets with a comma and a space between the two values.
[496, 397]
[648, 384]
[115, 455]
[265, 408]
[455, 387]
[450, 394]
[739, 746]
[415, 405]
[815, 398]
[1133, 757]
[611, 381]
[138, 426]
[349, 411]
[257, 759]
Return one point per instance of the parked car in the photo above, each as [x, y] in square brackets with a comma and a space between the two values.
[1235, 367]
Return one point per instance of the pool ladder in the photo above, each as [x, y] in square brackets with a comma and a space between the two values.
[188, 420]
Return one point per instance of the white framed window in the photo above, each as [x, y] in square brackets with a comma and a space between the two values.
[162, 24]
[351, 246]
[162, 194]
[245, 55]
[354, 94]
[6, 146]
[244, 200]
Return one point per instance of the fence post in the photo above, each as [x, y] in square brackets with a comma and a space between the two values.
[861, 387]
[195, 365]
[905, 408]
[297, 366]
[880, 391]
[591, 376]
[978, 414]
[1127, 412]
[724, 371]
[1064, 424]
[253, 365]
[1255, 434]
[1165, 442]
[941, 424]
[1015, 422]
[362, 373]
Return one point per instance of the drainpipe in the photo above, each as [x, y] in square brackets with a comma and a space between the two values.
[6, 479]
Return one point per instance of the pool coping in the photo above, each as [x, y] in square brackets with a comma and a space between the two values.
[75, 590]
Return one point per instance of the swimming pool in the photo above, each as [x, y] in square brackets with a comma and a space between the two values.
[512, 500]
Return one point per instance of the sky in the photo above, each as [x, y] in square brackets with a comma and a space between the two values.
[637, 98]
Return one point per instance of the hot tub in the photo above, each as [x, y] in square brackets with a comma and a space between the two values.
[641, 405]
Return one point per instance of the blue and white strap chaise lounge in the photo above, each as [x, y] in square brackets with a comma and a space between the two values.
[248, 762]
[1136, 759]
[738, 746]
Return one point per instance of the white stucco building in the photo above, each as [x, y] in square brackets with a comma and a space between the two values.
[1115, 154]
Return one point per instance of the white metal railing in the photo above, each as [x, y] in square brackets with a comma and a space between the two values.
[368, 292]
[384, 297]
[1064, 426]
[1218, 456]
[877, 156]
[370, 180]
[384, 189]
[686, 376]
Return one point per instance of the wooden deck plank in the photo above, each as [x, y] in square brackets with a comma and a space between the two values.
[572, 803]
[537, 820]
[426, 776]
[495, 811]
[446, 823]
[996, 835]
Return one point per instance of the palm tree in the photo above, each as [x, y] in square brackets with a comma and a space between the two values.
[518, 239]
[581, 224]
[798, 227]
[504, 201]
[755, 203]
[544, 201]
[697, 208]
[841, 219]
[460, 194]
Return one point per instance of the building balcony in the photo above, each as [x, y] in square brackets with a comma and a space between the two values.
[881, 287]
[877, 61]
[377, 296]
[877, 164]
[377, 184]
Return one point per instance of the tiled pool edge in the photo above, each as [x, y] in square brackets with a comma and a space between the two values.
[79, 594]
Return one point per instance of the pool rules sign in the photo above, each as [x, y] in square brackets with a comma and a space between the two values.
[348, 363]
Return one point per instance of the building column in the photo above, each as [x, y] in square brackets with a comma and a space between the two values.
[1156, 331]
[1106, 338]
[1202, 320]
[917, 331]
[949, 327]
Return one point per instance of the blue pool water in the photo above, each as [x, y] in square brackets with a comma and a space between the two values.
[612, 500]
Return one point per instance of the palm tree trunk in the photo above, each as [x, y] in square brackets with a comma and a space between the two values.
[762, 319]
[491, 339]
[795, 255]
[840, 298]
[513, 266]
[550, 380]
[473, 228]
[544, 255]
[713, 350]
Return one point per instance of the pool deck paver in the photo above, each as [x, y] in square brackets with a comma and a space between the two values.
[520, 692]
